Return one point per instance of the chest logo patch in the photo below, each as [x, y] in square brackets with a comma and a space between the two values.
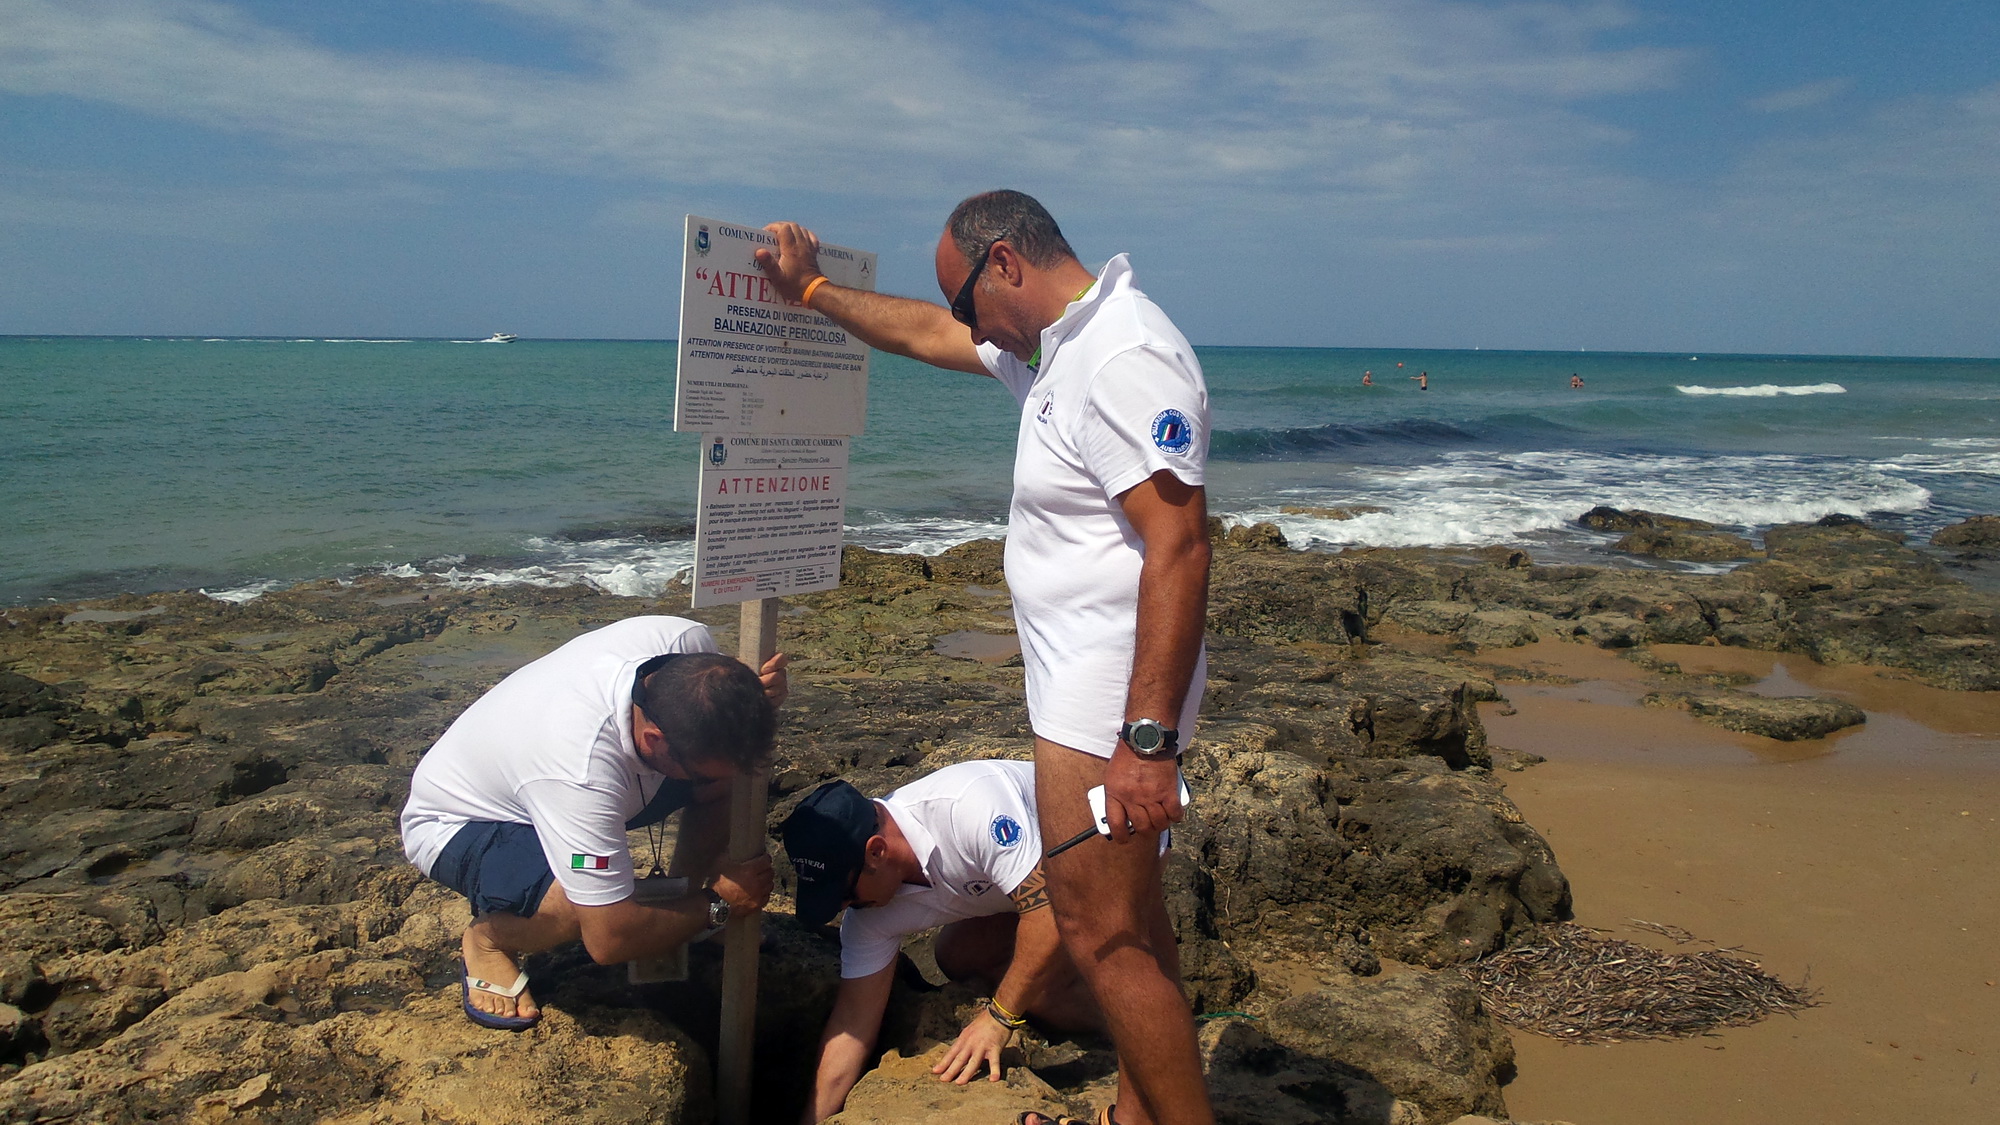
[1006, 831]
[1047, 411]
[978, 887]
[1171, 432]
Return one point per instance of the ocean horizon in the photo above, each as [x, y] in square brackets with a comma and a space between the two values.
[238, 465]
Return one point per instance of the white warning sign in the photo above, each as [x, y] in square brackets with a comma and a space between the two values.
[752, 362]
[770, 516]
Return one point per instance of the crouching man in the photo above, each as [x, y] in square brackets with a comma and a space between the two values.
[958, 848]
[523, 804]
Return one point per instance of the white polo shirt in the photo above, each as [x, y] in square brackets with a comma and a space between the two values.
[551, 746]
[1119, 397]
[974, 832]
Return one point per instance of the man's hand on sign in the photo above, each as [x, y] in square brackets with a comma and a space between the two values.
[776, 685]
[795, 264]
[1147, 794]
[746, 885]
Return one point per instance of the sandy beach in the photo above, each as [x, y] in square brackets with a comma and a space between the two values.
[1861, 862]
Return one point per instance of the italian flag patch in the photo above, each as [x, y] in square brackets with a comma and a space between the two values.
[589, 862]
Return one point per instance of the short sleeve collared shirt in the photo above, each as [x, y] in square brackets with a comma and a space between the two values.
[1118, 397]
[551, 746]
[972, 827]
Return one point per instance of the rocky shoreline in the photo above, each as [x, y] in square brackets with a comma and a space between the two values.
[205, 914]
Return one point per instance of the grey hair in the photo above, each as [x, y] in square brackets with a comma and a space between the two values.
[1015, 216]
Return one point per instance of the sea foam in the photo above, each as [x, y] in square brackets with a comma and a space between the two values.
[1764, 390]
[627, 567]
[1482, 498]
[921, 535]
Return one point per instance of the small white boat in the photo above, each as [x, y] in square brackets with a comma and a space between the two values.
[500, 338]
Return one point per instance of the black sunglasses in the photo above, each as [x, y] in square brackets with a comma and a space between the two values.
[962, 308]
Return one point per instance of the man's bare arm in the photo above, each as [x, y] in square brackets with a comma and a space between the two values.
[847, 1042]
[630, 930]
[1171, 517]
[1037, 947]
[1032, 894]
[1038, 959]
[917, 329]
[634, 931]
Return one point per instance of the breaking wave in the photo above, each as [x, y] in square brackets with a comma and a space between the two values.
[1764, 390]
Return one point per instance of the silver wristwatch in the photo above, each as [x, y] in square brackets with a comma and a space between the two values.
[1150, 739]
[718, 910]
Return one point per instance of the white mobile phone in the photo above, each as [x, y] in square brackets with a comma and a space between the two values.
[1104, 820]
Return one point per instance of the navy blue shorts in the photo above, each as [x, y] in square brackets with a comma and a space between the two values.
[500, 867]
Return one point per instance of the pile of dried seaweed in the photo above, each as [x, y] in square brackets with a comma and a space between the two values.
[1571, 983]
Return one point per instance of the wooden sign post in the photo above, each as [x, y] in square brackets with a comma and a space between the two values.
[749, 798]
[775, 390]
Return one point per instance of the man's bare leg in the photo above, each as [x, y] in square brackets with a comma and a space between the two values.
[495, 943]
[1111, 909]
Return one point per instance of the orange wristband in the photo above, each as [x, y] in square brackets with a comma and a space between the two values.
[806, 298]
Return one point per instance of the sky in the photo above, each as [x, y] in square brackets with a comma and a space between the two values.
[1785, 176]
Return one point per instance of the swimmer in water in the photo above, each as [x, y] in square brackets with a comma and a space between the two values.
[1367, 378]
[1423, 380]
[1576, 382]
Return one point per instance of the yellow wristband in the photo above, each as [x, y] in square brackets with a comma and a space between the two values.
[806, 298]
[1007, 1019]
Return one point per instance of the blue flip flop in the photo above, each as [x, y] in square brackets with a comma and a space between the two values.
[468, 983]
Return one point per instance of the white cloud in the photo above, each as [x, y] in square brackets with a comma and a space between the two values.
[1800, 97]
[1382, 132]
[1374, 99]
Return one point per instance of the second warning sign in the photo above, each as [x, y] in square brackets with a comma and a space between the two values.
[770, 517]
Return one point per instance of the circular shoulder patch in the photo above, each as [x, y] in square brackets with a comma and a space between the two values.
[1006, 831]
[1171, 432]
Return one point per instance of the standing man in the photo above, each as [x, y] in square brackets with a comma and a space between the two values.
[959, 848]
[523, 804]
[1107, 561]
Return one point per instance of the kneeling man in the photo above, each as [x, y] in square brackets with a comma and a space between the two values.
[523, 804]
[959, 848]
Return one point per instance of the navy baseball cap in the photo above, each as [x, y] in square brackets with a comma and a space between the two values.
[827, 838]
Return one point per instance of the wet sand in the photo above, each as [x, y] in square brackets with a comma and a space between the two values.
[1865, 862]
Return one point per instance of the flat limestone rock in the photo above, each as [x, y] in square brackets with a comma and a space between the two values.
[1978, 537]
[1788, 718]
[1255, 1080]
[1605, 518]
[290, 1037]
[1422, 1035]
[1691, 546]
[903, 1089]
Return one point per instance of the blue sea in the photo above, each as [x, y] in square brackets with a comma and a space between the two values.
[238, 466]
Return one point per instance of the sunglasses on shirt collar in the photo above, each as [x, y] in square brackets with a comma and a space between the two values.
[962, 308]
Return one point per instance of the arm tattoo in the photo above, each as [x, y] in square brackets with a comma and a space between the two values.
[1032, 894]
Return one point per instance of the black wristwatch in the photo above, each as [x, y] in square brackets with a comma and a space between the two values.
[1149, 739]
[718, 909]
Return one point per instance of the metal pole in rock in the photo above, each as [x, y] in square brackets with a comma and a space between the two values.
[757, 641]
